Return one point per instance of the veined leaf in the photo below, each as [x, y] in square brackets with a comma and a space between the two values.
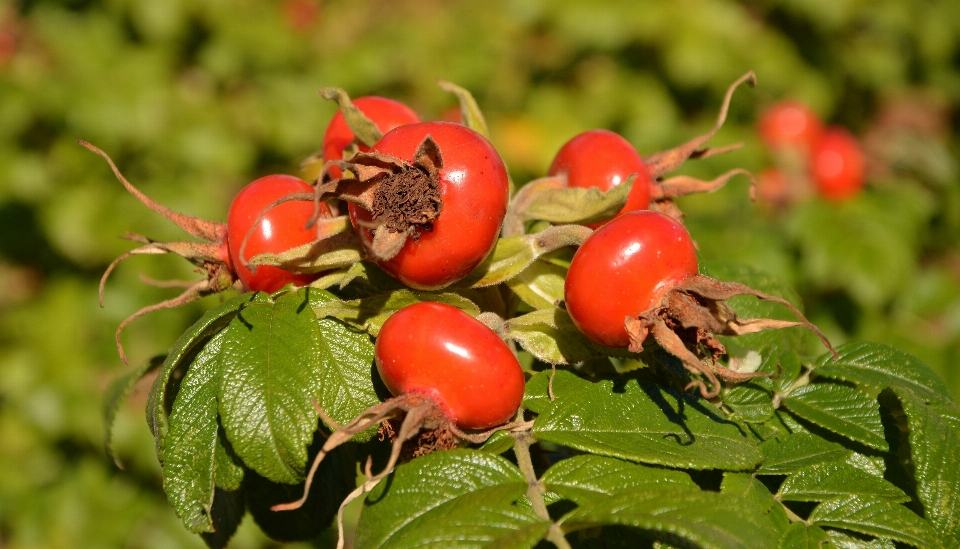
[794, 452]
[191, 442]
[842, 539]
[346, 366]
[825, 481]
[586, 479]
[451, 499]
[710, 520]
[758, 497]
[647, 424]
[115, 396]
[271, 377]
[227, 512]
[184, 350]
[844, 410]
[581, 206]
[540, 285]
[369, 313]
[935, 450]
[879, 365]
[876, 517]
[511, 256]
[800, 536]
[550, 335]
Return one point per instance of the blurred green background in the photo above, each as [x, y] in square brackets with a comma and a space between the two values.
[194, 99]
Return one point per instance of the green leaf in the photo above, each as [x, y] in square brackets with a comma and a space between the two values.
[365, 131]
[540, 285]
[369, 313]
[451, 499]
[587, 479]
[648, 424]
[842, 539]
[880, 366]
[844, 410]
[511, 256]
[227, 474]
[826, 481]
[536, 396]
[183, 352]
[758, 497]
[782, 455]
[800, 536]
[346, 364]
[581, 206]
[271, 377]
[550, 335]
[750, 403]
[876, 517]
[710, 520]
[935, 450]
[470, 112]
[500, 442]
[191, 442]
[114, 397]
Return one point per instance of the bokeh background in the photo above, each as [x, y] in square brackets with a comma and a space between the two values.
[195, 98]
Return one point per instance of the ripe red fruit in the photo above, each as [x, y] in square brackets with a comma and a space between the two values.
[604, 159]
[281, 228]
[445, 355]
[790, 124]
[474, 192]
[386, 113]
[622, 269]
[837, 165]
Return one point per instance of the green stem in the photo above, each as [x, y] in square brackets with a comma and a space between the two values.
[521, 448]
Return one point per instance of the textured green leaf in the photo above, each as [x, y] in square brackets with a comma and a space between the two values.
[935, 450]
[647, 424]
[575, 205]
[876, 517]
[879, 365]
[271, 377]
[550, 335]
[842, 539]
[585, 479]
[184, 350]
[710, 520]
[826, 481]
[511, 256]
[470, 112]
[346, 366]
[227, 474]
[536, 397]
[114, 396]
[457, 498]
[844, 410]
[750, 403]
[540, 285]
[759, 499]
[369, 313]
[800, 536]
[500, 442]
[787, 454]
[191, 443]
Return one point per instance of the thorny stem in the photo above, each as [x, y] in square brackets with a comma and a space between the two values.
[521, 448]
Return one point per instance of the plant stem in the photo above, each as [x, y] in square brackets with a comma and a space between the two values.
[521, 448]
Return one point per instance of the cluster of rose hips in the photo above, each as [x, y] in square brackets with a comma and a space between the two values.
[427, 202]
[808, 157]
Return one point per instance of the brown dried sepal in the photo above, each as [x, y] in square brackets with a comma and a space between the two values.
[689, 316]
[402, 197]
[415, 425]
[210, 257]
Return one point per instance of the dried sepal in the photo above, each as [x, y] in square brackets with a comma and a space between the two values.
[682, 185]
[688, 317]
[662, 163]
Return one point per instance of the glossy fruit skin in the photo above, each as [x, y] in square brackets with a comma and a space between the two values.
[604, 159]
[282, 228]
[837, 164]
[474, 190]
[442, 353]
[624, 268]
[386, 113]
[790, 124]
